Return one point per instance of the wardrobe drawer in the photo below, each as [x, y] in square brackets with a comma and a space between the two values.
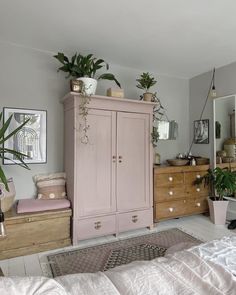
[168, 193]
[167, 179]
[170, 209]
[97, 226]
[135, 219]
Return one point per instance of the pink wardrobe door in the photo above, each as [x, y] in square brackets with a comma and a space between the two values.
[96, 166]
[133, 147]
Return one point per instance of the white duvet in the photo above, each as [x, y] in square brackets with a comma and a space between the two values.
[204, 269]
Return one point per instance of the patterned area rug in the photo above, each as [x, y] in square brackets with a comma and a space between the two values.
[109, 255]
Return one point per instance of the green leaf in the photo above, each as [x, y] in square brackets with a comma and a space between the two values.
[109, 76]
[3, 179]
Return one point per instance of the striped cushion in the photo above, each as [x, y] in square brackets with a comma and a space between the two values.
[51, 186]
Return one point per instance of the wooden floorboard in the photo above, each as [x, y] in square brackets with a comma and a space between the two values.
[33, 265]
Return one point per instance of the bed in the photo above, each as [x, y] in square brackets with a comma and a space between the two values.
[209, 268]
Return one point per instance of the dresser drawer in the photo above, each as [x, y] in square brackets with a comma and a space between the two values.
[196, 190]
[167, 179]
[190, 177]
[170, 209]
[168, 193]
[96, 226]
[198, 205]
[135, 219]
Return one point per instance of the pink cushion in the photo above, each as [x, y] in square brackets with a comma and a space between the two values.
[32, 205]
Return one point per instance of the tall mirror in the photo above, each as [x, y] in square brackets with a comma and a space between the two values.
[167, 130]
[224, 129]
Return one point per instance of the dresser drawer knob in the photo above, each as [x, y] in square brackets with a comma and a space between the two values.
[198, 189]
[171, 209]
[29, 219]
[134, 218]
[97, 225]
[171, 193]
[198, 176]
[184, 201]
[170, 178]
[198, 204]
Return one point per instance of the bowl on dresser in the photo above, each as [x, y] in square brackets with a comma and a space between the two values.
[177, 162]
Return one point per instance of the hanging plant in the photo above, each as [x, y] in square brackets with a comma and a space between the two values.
[83, 112]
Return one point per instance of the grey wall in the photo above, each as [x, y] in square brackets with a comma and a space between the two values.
[225, 85]
[28, 79]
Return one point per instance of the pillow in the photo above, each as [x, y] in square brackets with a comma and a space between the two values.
[51, 186]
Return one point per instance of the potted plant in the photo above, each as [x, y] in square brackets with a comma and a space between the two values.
[7, 189]
[145, 82]
[84, 68]
[222, 184]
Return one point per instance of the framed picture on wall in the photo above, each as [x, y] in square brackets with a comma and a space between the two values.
[201, 131]
[30, 140]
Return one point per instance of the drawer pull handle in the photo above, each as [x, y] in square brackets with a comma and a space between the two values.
[134, 218]
[198, 176]
[171, 209]
[170, 178]
[184, 201]
[198, 204]
[171, 193]
[29, 219]
[97, 225]
[198, 189]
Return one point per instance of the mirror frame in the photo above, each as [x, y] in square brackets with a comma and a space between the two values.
[214, 129]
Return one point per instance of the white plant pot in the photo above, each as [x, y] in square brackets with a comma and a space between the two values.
[90, 85]
[7, 198]
[218, 210]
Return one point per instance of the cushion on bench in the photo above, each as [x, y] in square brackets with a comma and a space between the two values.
[32, 205]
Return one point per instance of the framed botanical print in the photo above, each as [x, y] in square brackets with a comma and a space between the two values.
[201, 131]
[30, 140]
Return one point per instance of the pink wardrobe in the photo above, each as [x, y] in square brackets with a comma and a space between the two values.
[109, 179]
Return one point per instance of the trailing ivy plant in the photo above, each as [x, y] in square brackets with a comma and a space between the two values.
[4, 151]
[79, 66]
[83, 111]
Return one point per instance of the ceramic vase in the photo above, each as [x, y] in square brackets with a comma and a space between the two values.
[90, 85]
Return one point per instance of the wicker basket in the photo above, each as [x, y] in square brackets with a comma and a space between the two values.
[178, 162]
[202, 161]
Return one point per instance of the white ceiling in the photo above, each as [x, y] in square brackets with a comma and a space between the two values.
[175, 37]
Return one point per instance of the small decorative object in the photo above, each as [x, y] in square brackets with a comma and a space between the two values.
[76, 85]
[157, 159]
[202, 161]
[29, 140]
[230, 147]
[2, 225]
[145, 82]
[218, 129]
[115, 92]
[223, 182]
[193, 162]
[201, 131]
[84, 68]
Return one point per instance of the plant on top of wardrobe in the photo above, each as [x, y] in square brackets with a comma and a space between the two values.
[145, 82]
[84, 66]
[4, 151]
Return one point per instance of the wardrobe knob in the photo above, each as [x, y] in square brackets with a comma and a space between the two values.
[97, 225]
[113, 159]
[134, 218]
[170, 178]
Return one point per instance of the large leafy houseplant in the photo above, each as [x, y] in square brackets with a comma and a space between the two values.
[4, 151]
[221, 181]
[84, 66]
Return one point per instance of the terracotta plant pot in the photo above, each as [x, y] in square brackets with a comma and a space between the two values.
[147, 96]
[7, 198]
[218, 210]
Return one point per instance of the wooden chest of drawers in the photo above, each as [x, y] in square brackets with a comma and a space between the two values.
[176, 195]
[35, 232]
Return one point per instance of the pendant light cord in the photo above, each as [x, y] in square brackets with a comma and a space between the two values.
[212, 86]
